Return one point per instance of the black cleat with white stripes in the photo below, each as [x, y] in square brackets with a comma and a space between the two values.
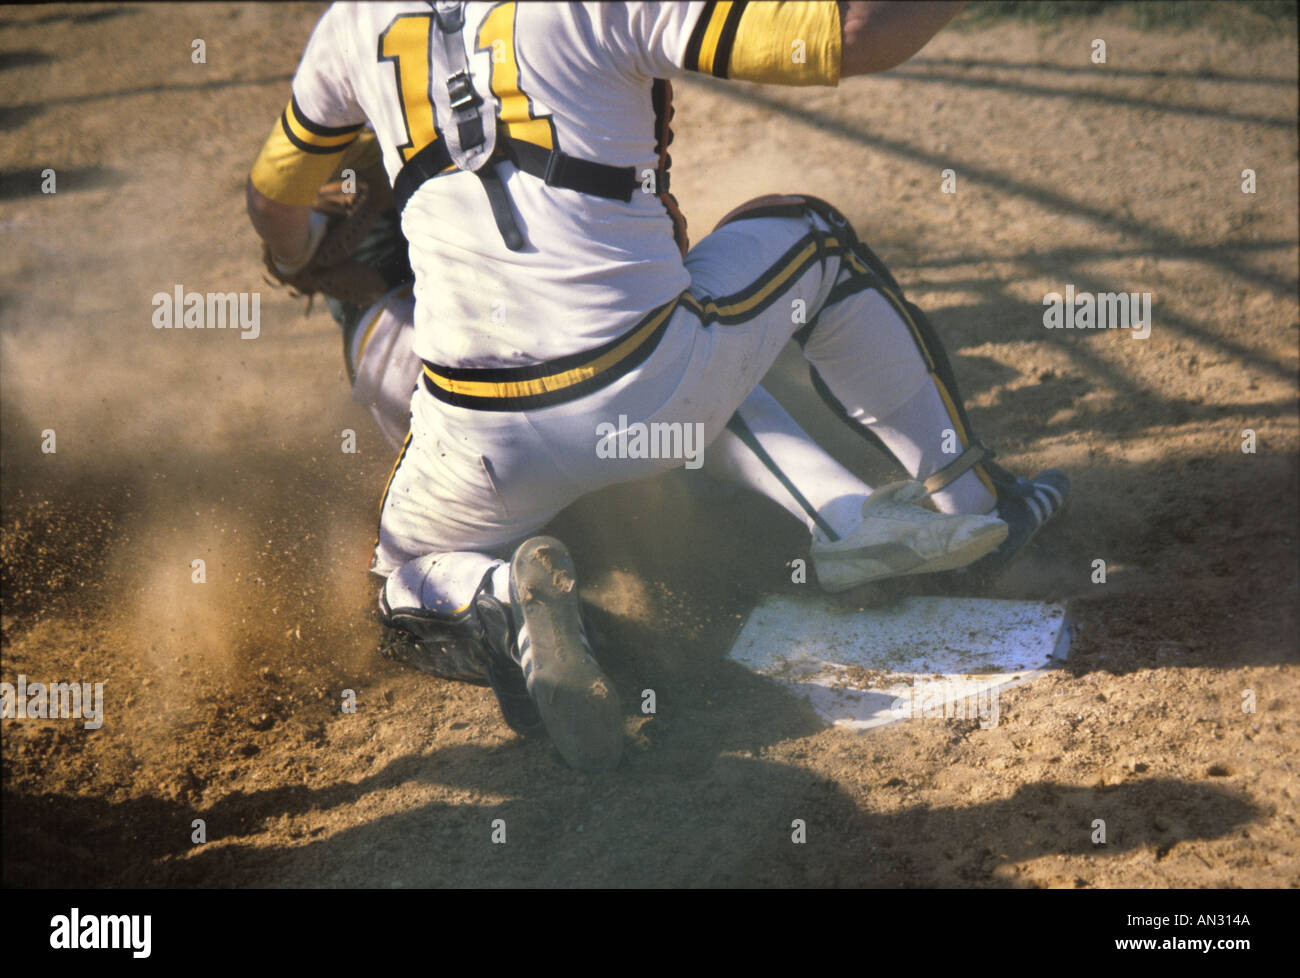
[496, 641]
[1026, 506]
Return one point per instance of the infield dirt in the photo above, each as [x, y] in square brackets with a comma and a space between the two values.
[223, 700]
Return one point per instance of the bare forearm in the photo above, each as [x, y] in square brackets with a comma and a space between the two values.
[878, 35]
[282, 226]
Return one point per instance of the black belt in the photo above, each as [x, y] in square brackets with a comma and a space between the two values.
[552, 166]
[555, 381]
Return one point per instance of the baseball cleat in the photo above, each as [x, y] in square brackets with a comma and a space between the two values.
[495, 638]
[431, 643]
[577, 703]
[1026, 505]
[897, 537]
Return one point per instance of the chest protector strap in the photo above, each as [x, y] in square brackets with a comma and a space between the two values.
[471, 138]
[471, 142]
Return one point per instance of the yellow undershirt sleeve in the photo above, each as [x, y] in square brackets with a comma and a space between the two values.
[787, 44]
[298, 157]
[781, 43]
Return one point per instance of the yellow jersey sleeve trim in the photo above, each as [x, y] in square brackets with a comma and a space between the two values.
[296, 160]
[787, 44]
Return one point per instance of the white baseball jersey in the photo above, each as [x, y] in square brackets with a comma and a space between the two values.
[574, 77]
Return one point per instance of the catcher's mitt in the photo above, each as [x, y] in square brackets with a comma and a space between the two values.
[331, 269]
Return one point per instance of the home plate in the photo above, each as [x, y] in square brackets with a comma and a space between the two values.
[919, 657]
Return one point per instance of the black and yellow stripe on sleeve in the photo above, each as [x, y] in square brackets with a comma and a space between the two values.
[781, 43]
[709, 49]
[311, 137]
[298, 156]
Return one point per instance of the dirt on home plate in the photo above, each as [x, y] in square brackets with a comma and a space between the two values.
[1174, 722]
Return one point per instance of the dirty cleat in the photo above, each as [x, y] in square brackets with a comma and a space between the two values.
[1026, 505]
[495, 640]
[897, 537]
[578, 704]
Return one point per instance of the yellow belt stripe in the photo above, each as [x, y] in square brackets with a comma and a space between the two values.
[554, 382]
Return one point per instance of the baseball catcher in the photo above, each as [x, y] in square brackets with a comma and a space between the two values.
[556, 318]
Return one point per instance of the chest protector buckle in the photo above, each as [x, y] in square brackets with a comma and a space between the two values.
[471, 138]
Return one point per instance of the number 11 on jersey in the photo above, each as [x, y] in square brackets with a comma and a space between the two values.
[405, 42]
